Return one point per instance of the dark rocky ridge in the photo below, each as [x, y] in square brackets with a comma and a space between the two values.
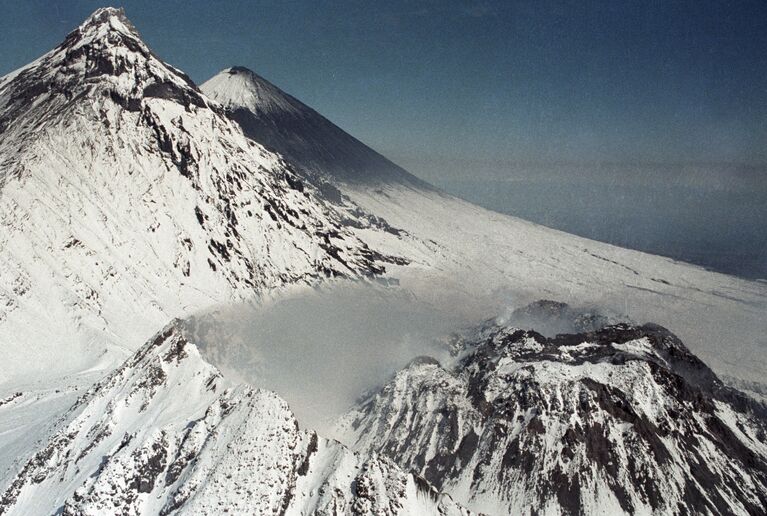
[624, 413]
[86, 56]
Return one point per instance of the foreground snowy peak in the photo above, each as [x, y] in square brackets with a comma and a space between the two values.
[127, 200]
[313, 144]
[167, 434]
[620, 420]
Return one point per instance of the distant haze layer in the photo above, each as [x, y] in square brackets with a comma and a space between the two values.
[712, 215]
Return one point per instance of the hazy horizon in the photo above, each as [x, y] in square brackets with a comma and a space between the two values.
[711, 215]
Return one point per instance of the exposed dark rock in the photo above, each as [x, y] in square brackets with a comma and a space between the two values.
[637, 417]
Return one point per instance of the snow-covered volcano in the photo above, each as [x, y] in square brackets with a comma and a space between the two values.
[454, 246]
[307, 139]
[129, 198]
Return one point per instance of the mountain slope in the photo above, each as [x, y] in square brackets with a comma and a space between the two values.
[621, 420]
[458, 249]
[166, 434]
[128, 198]
[308, 140]
[455, 246]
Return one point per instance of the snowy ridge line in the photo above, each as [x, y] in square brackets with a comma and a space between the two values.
[130, 446]
[123, 186]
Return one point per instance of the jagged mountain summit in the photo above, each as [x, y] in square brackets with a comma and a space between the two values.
[623, 420]
[166, 434]
[307, 139]
[129, 198]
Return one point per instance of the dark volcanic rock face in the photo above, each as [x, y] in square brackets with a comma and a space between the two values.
[623, 419]
[553, 317]
[105, 56]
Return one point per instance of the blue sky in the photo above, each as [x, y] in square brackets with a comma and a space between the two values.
[430, 81]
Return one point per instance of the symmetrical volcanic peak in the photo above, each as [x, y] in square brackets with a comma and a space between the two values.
[320, 150]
